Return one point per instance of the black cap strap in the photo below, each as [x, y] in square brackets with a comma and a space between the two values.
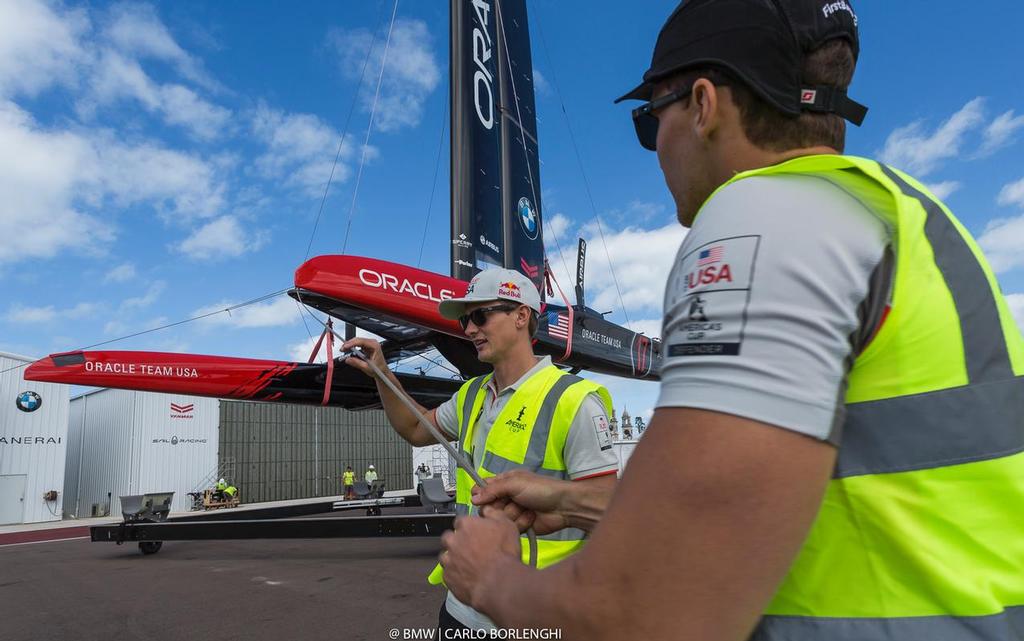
[831, 100]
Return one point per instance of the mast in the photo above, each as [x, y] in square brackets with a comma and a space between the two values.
[477, 227]
[495, 170]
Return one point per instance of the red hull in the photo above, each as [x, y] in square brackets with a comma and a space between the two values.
[399, 291]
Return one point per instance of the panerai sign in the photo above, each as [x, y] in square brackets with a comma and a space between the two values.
[30, 440]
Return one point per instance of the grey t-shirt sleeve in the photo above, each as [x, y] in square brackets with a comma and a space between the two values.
[446, 418]
[588, 447]
[766, 299]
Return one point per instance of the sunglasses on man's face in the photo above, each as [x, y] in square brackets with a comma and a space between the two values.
[479, 316]
[646, 123]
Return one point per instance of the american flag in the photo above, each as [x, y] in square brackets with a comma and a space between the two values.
[709, 255]
[558, 325]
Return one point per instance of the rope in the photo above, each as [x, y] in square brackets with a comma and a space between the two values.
[369, 128]
[522, 132]
[344, 134]
[583, 173]
[433, 184]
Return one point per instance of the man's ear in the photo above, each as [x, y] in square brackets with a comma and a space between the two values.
[707, 113]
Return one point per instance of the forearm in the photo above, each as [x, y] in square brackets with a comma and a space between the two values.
[405, 423]
[518, 596]
[584, 504]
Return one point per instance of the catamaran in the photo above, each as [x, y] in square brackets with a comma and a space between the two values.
[496, 221]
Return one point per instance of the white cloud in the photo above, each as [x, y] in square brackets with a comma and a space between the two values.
[136, 29]
[1012, 194]
[556, 226]
[60, 176]
[642, 259]
[120, 274]
[301, 148]
[1000, 133]
[118, 77]
[40, 173]
[913, 149]
[147, 299]
[25, 314]
[1003, 243]
[277, 312]
[1016, 302]
[543, 87]
[943, 189]
[221, 238]
[39, 46]
[411, 72]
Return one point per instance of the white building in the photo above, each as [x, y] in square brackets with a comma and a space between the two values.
[122, 442]
[33, 442]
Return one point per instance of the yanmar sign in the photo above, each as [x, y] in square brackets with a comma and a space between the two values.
[182, 411]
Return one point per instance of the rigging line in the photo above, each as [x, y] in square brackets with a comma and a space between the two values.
[369, 128]
[397, 361]
[168, 325]
[583, 173]
[344, 133]
[433, 185]
[522, 133]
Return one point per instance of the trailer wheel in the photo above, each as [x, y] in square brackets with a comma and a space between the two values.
[150, 547]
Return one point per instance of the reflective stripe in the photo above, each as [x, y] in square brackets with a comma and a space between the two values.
[542, 425]
[1005, 626]
[923, 431]
[985, 348]
[496, 464]
[467, 408]
[461, 510]
[565, 534]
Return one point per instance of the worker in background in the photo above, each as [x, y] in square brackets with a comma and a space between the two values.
[370, 477]
[348, 481]
[230, 492]
[423, 472]
[526, 415]
[218, 490]
[838, 452]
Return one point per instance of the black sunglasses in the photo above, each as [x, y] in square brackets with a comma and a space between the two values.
[479, 316]
[646, 123]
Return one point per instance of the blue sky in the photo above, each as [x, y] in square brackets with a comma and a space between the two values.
[158, 161]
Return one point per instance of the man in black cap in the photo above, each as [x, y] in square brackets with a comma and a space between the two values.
[838, 447]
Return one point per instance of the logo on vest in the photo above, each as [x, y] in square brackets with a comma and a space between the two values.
[516, 425]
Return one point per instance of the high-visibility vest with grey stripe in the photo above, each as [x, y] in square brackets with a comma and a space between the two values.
[920, 536]
[529, 433]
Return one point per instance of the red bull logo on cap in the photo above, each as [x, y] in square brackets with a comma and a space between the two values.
[509, 290]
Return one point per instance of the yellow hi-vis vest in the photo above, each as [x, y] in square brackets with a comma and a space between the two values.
[920, 536]
[348, 478]
[529, 434]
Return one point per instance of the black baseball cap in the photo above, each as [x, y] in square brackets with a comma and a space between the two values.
[760, 42]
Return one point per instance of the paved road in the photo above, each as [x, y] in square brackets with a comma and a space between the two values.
[285, 590]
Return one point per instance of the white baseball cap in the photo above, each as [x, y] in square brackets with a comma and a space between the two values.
[493, 284]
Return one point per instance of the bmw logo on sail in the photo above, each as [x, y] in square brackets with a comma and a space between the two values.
[28, 401]
[528, 218]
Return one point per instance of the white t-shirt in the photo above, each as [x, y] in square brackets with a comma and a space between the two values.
[780, 283]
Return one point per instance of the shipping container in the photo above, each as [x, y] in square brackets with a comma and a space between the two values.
[33, 441]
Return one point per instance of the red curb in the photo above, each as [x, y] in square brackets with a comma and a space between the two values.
[35, 536]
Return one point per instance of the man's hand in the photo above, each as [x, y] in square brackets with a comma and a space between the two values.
[371, 349]
[526, 499]
[475, 553]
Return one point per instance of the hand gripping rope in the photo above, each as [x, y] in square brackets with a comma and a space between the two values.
[459, 458]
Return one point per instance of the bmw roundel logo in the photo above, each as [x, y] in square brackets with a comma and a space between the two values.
[28, 401]
[528, 218]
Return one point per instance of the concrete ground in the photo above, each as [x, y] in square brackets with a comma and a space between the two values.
[274, 590]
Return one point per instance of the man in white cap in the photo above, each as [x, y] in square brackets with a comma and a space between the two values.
[526, 416]
[371, 476]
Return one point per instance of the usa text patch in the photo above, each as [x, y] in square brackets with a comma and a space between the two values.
[708, 296]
